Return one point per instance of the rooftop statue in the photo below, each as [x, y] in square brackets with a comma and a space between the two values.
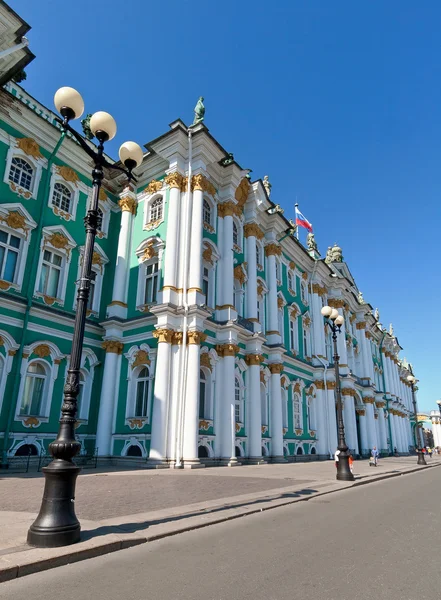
[334, 254]
[199, 111]
[360, 298]
[267, 185]
[391, 330]
[377, 314]
[85, 124]
[311, 243]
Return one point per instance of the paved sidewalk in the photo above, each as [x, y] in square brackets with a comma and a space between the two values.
[122, 508]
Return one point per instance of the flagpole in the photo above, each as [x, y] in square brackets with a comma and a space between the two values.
[295, 217]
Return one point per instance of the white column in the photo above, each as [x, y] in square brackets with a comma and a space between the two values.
[228, 257]
[349, 419]
[363, 432]
[175, 181]
[273, 322]
[250, 231]
[254, 406]
[228, 434]
[175, 395]
[191, 408]
[118, 305]
[220, 293]
[276, 428]
[382, 429]
[318, 331]
[109, 394]
[195, 267]
[332, 417]
[394, 441]
[320, 414]
[161, 397]
[370, 424]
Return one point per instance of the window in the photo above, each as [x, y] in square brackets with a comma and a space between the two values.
[305, 341]
[281, 323]
[260, 311]
[277, 270]
[156, 210]
[284, 408]
[303, 293]
[100, 221]
[31, 403]
[206, 213]
[142, 393]
[21, 173]
[151, 283]
[80, 396]
[235, 234]
[290, 281]
[9, 252]
[297, 412]
[237, 400]
[205, 283]
[50, 274]
[293, 335]
[91, 290]
[62, 197]
[202, 394]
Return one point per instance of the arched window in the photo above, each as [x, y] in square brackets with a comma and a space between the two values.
[80, 396]
[235, 234]
[9, 253]
[21, 173]
[203, 394]
[142, 393]
[134, 450]
[293, 335]
[32, 399]
[278, 277]
[305, 341]
[203, 452]
[297, 412]
[238, 400]
[299, 450]
[62, 197]
[290, 281]
[100, 219]
[303, 293]
[206, 213]
[27, 450]
[281, 319]
[284, 408]
[263, 404]
[156, 209]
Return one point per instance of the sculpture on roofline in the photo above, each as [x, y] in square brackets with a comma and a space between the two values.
[334, 254]
[267, 185]
[199, 111]
[391, 330]
[377, 314]
[360, 298]
[85, 124]
[311, 243]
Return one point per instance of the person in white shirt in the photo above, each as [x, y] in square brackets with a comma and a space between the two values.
[337, 452]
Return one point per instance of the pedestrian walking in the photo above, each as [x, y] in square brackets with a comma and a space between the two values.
[351, 463]
[375, 455]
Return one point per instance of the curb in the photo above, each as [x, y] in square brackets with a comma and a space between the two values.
[14, 571]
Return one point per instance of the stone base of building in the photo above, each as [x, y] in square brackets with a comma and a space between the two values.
[278, 459]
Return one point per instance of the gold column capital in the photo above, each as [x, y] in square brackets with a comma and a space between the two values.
[163, 335]
[227, 349]
[127, 205]
[196, 337]
[174, 180]
[273, 249]
[113, 346]
[276, 368]
[254, 359]
[253, 230]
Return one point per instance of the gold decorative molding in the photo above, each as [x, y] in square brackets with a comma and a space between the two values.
[294, 312]
[292, 265]
[58, 240]
[30, 147]
[163, 335]
[12, 352]
[360, 325]
[280, 302]
[207, 254]
[307, 324]
[177, 338]
[127, 204]
[49, 300]
[224, 306]
[304, 275]
[276, 368]
[260, 289]
[368, 400]
[360, 411]
[112, 346]
[173, 180]
[5, 285]
[118, 303]
[253, 230]
[137, 423]
[68, 174]
[195, 338]
[272, 332]
[348, 392]
[141, 358]
[264, 429]
[149, 252]
[238, 427]
[154, 186]
[368, 335]
[42, 350]
[205, 424]
[15, 220]
[380, 403]
[239, 274]
[331, 385]
[205, 360]
[102, 194]
[336, 302]
[227, 349]
[320, 385]
[31, 422]
[200, 183]
[228, 209]
[318, 289]
[2, 341]
[298, 431]
[254, 359]
[273, 249]
[242, 192]
[352, 318]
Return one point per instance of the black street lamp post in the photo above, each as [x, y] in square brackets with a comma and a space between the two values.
[421, 461]
[334, 322]
[56, 523]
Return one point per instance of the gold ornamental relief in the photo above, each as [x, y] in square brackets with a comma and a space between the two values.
[58, 240]
[273, 250]
[304, 275]
[196, 337]
[102, 195]
[368, 400]
[154, 186]
[42, 350]
[207, 254]
[254, 359]
[173, 180]
[360, 411]
[331, 385]
[163, 335]
[177, 338]
[198, 183]
[360, 325]
[149, 252]
[276, 368]
[141, 358]
[348, 392]
[2, 341]
[113, 346]
[228, 209]
[242, 192]
[31, 422]
[336, 302]
[280, 302]
[15, 220]
[127, 205]
[97, 259]
[239, 274]
[30, 147]
[205, 360]
[68, 174]
[253, 230]
[262, 376]
[227, 349]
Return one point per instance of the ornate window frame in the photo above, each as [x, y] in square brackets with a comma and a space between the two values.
[149, 225]
[15, 220]
[294, 341]
[241, 403]
[36, 160]
[149, 251]
[8, 349]
[67, 177]
[211, 226]
[88, 363]
[210, 256]
[139, 357]
[238, 248]
[56, 239]
[48, 355]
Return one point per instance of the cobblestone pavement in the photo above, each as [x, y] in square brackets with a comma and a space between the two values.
[113, 493]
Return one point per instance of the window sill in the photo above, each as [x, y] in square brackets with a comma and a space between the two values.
[49, 300]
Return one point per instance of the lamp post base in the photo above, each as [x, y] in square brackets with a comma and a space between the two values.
[421, 460]
[343, 470]
[57, 524]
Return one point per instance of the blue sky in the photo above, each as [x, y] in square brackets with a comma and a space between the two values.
[338, 102]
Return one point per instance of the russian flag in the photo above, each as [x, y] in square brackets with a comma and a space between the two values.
[301, 221]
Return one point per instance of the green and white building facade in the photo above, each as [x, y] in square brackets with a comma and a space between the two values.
[204, 340]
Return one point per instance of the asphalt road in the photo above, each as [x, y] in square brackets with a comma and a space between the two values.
[379, 541]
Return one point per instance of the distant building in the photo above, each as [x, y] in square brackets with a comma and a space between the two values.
[435, 419]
